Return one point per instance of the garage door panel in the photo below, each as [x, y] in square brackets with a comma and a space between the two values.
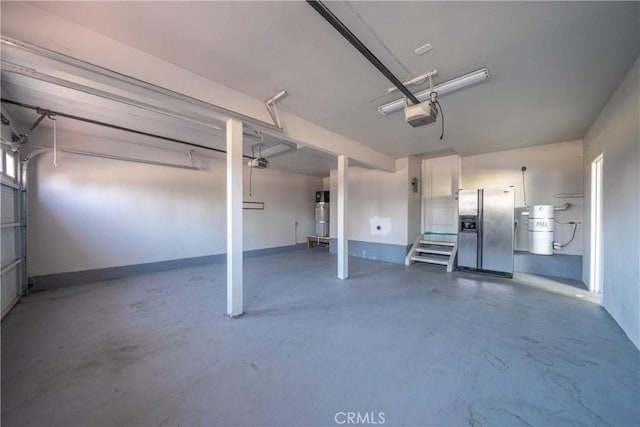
[13, 274]
[9, 246]
[10, 289]
[8, 204]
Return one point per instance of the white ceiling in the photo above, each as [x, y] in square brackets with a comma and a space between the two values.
[553, 65]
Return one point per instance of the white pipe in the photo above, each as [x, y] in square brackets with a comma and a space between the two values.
[562, 208]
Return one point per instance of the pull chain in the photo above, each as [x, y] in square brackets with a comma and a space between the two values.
[55, 142]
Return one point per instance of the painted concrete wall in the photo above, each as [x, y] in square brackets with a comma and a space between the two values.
[616, 134]
[382, 211]
[414, 210]
[551, 169]
[378, 204]
[90, 213]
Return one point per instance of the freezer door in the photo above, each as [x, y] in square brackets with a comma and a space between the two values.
[468, 228]
[468, 202]
[497, 230]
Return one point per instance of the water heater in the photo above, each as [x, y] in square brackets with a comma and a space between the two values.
[322, 213]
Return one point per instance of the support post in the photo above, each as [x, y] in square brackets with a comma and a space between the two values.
[343, 242]
[234, 218]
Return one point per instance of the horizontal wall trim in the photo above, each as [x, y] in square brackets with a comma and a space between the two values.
[75, 278]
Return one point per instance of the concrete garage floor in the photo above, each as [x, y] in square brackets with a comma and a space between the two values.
[420, 346]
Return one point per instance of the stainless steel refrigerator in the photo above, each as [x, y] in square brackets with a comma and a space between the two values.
[485, 231]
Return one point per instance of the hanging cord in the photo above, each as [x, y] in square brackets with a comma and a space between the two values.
[55, 139]
[434, 100]
[573, 236]
[524, 187]
[564, 223]
[253, 156]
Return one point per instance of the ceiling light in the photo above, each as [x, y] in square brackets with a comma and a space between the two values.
[441, 89]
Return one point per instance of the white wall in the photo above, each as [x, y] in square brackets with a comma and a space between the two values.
[90, 213]
[616, 135]
[551, 169]
[414, 210]
[376, 198]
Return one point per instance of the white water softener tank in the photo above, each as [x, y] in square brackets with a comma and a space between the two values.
[541, 229]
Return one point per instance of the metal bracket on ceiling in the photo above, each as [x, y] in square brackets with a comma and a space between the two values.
[271, 107]
[23, 137]
[14, 133]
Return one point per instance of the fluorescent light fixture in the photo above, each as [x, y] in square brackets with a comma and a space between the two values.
[443, 88]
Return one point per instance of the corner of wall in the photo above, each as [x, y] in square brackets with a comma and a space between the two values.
[615, 134]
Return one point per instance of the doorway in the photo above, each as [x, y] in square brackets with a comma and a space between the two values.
[595, 275]
[440, 177]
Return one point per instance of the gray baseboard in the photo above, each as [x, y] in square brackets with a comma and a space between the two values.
[557, 265]
[377, 251]
[74, 278]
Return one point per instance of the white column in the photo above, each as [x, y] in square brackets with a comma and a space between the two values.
[343, 243]
[234, 218]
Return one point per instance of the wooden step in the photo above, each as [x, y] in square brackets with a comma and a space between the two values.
[430, 259]
[437, 243]
[431, 250]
